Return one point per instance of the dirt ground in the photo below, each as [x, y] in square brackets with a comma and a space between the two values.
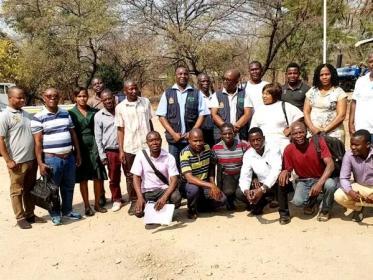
[221, 245]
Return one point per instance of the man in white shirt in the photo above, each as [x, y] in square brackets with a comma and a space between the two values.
[361, 114]
[265, 162]
[255, 85]
[204, 86]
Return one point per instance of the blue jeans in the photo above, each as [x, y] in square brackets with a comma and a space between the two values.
[63, 175]
[303, 187]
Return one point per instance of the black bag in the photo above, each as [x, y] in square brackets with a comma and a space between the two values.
[45, 194]
[336, 148]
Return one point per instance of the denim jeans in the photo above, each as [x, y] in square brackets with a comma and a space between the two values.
[63, 175]
[303, 187]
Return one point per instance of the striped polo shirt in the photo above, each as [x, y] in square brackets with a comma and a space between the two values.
[55, 128]
[230, 158]
[198, 164]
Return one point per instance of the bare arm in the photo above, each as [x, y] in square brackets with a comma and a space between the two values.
[199, 121]
[245, 117]
[163, 199]
[176, 136]
[120, 135]
[339, 118]
[140, 199]
[351, 119]
[4, 152]
[329, 167]
[216, 118]
[74, 138]
[38, 139]
[307, 117]
[198, 182]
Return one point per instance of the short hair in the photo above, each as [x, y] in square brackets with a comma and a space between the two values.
[293, 65]
[255, 129]
[107, 91]
[226, 125]
[181, 66]
[10, 89]
[77, 90]
[363, 133]
[334, 75]
[274, 89]
[51, 88]
[256, 62]
[97, 78]
[153, 132]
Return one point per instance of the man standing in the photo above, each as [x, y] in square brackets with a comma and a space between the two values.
[95, 101]
[314, 172]
[231, 106]
[359, 162]
[228, 154]
[180, 109]
[361, 113]
[254, 86]
[294, 91]
[155, 176]
[107, 144]
[17, 149]
[204, 85]
[199, 172]
[133, 121]
[55, 138]
[265, 162]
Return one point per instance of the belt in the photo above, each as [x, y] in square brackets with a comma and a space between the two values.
[63, 156]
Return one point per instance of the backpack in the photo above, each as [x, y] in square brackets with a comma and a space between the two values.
[336, 148]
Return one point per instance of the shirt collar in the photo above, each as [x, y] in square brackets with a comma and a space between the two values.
[12, 110]
[46, 111]
[126, 102]
[225, 91]
[162, 154]
[177, 88]
[296, 88]
[106, 112]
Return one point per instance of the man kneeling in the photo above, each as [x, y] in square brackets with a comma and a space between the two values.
[198, 170]
[155, 176]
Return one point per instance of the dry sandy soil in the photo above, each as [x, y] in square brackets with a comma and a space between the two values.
[221, 245]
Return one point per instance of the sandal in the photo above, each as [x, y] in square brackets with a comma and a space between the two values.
[100, 209]
[89, 212]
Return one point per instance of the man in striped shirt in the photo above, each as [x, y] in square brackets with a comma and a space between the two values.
[228, 154]
[55, 137]
[198, 170]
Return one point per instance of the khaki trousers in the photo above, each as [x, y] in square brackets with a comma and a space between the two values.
[346, 201]
[22, 180]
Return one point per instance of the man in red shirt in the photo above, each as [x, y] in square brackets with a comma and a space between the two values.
[313, 170]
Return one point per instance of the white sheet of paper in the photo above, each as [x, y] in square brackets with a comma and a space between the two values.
[163, 216]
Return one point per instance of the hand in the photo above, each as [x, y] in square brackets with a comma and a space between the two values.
[104, 161]
[315, 190]
[12, 165]
[185, 136]
[122, 157]
[78, 160]
[256, 184]
[283, 178]
[369, 198]
[44, 169]
[160, 203]
[286, 131]
[352, 129]
[140, 203]
[315, 130]
[215, 193]
[255, 196]
[177, 137]
[236, 128]
[355, 195]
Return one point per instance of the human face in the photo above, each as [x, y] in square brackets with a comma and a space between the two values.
[227, 135]
[131, 91]
[230, 82]
[292, 75]
[108, 101]
[359, 147]
[17, 99]
[51, 99]
[154, 143]
[267, 98]
[182, 77]
[196, 142]
[256, 141]
[255, 72]
[82, 98]
[98, 86]
[298, 135]
[325, 76]
[204, 83]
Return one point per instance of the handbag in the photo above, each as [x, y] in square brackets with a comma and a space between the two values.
[45, 194]
[156, 171]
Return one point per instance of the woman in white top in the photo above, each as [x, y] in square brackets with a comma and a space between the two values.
[271, 117]
[326, 104]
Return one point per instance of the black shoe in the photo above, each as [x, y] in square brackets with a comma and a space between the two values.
[358, 216]
[192, 214]
[89, 212]
[231, 206]
[132, 209]
[256, 211]
[23, 224]
[102, 201]
[35, 220]
[284, 220]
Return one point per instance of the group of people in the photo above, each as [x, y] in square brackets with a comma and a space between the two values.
[249, 143]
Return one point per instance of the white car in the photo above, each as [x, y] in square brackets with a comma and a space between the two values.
[3, 94]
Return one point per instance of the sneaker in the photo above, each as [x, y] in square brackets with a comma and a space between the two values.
[73, 216]
[358, 216]
[323, 216]
[56, 220]
[132, 209]
[23, 224]
[36, 220]
[284, 220]
[116, 206]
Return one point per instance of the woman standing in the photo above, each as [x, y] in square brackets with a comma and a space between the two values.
[91, 168]
[326, 103]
